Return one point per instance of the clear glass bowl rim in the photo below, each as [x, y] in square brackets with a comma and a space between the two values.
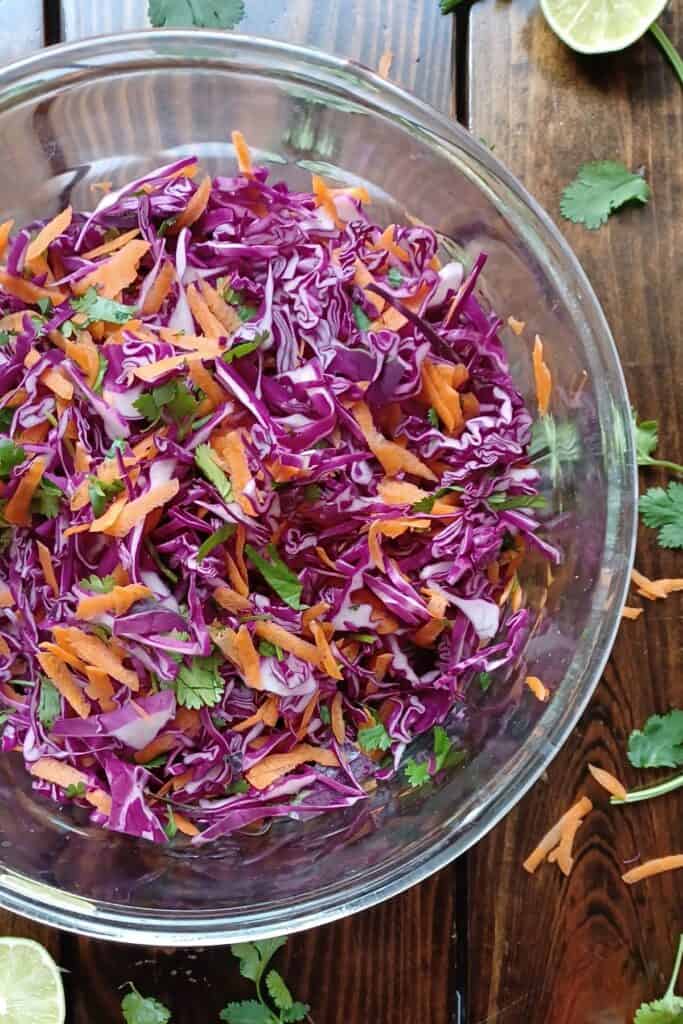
[65, 63]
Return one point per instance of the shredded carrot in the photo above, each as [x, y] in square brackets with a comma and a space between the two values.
[115, 274]
[657, 866]
[5, 232]
[112, 245]
[307, 716]
[56, 227]
[99, 687]
[27, 291]
[398, 492]
[653, 589]
[106, 521]
[543, 378]
[62, 655]
[159, 745]
[195, 207]
[608, 782]
[84, 353]
[45, 559]
[552, 838]
[314, 612]
[202, 379]
[384, 66]
[57, 772]
[58, 673]
[273, 766]
[157, 294]
[242, 153]
[517, 326]
[324, 197]
[71, 531]
[224, 313]
[18, 508]
[207, 348]
[390, 528]
[58, 384]
[384, 622]
[116, 602]
[442, 396]
[94, 651]
[539, 691]
[4, 647]
[280, 637]
[100, 800]
[387, 242]
[231, 600]
[249, 658]
[184, 825]
[562, 854]
[135, 511]
[631, 613]
[392, 456]
[337, 718]
[151, 371]
[268, 713]
[325, 558]
[327, 660]
[380, 665]
[234, 453]
[209, 323]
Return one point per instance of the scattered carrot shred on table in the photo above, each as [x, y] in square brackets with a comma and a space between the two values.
[654, 589]
[517, 326]
[608, 782]
[384, 66]
[658, 866]
[631, 613]
[543, 378]
[539, 690]
[566, 826]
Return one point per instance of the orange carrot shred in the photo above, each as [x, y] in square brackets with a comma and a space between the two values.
[307, 716]
[281, 637]
[273, 766]
[58, 673]
[631, 613]
[653, 589]
[18, 508]
[209, 323]
[99, 687]
[187, 827]
[393, 458]
[94, 651]
[249, 658]
[156, 296]
[195, 207]
[543, 378]
[517, 326]
[5, 231]
[45, 559]
[117, 602]
[384, 66]
[159, 745]
[538, 689]
[673, 862]
[108, 518]
[27, 291]
[242, 153]
[327, 659]
[62, 655]
[231, 600]
[325, 558]
[56, 227]
[552, 838]
[234, 453]
[151, 371]
[224, 313]
[314, 612]
[202, 378]
[267, 713]
[337, 718]
[115, 274]
[112, 245]
[135, 511]
[608, 782]
[6, 599]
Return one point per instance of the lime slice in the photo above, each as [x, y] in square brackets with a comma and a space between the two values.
[600, 26]
[31, 990]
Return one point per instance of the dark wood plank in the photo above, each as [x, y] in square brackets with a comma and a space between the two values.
[589, 949]
[389, 964]
[414, 31]
[21, 28]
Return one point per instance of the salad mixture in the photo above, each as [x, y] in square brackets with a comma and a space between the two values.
[264, 491]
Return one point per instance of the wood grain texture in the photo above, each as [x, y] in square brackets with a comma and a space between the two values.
[589, 949]
[21, 28]
[387, 965]
[418, 36]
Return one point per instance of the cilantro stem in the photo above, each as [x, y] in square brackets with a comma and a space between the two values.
[662, 463]
[670, 51]
[677, 966]
[661, 789]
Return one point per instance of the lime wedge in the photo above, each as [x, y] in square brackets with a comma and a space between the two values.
[31, 990]
[600, 26]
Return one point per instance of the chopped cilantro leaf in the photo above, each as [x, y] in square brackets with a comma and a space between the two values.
[206, 462]
[244, 348]
[199, 684]
[277, 575]
[269, 650]
[76, 789]
[646, 437]
[374, 737]
[11, 455]
[170, 828]
[660, 744]
[99, 584]
[363, 322]
[198, 13]
[94, 307]
[395, 277]
[136, 1009]
[662, 510]
[49, 703]
[600, 188]
[416, 772]
[218, 537]
[46, 499]
[433, 418]
[100, 494]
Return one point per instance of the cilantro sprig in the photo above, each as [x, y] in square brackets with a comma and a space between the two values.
[49, 703]
[99, 584]
[100, 494]
[599, 189]
[138, 1009]
[277, 575]
[660, 743]
[200, 13]
[446, 755]
[207, 464]
[199, 684]
[94, 307]
[662, 510]
[646, 437]
[254, 959]
[11, 455]
[217, 538]
[668, 1009]
[173, 398]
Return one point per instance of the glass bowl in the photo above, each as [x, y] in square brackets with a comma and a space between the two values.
[112, 108]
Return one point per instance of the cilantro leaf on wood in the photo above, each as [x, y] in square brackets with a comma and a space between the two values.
[278, 991]
[137, 1009]
[94, 308]
[600, 188]
[660, 744]
[49, 703]
[11, 455]
[277, 575]
[668, 1009]
[206, 462]
[247, 1012]
[662, 510]
[646, 439]
[199, 684]
[200, 13]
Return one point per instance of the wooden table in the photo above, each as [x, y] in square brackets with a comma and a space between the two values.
[481, 941]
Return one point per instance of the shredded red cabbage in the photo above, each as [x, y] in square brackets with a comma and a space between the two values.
[265, 489]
